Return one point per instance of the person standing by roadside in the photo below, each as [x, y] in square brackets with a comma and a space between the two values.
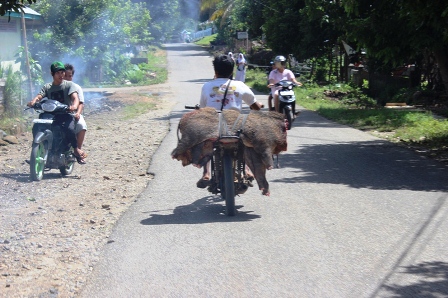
[80, 123]
[240, 68]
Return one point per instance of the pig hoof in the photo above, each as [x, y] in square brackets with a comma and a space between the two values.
[266, 192]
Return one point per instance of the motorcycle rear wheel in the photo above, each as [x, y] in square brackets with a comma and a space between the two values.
[228, 185]
[37, 161]
[67, 170]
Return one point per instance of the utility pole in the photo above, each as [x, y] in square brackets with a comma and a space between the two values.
[27, 60]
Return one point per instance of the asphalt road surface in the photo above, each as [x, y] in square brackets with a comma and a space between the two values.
[349, 215]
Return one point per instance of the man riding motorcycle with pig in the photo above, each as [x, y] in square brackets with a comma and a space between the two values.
[224, 93]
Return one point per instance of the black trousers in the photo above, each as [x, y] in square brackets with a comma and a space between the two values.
[67, 122]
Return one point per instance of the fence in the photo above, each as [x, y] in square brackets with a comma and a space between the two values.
[200, 34]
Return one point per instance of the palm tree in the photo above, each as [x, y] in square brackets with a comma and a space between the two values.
[218, 10]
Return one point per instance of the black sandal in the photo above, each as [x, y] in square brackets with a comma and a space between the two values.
[79, 159]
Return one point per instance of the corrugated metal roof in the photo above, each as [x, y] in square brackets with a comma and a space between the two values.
[28, 13]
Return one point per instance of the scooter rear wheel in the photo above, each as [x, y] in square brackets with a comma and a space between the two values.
[228, 184]
[67, 170]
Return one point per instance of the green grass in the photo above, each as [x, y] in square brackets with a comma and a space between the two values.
[257, 79]
[158, 63]
[137, 109]
[205, 42]
[358, 111]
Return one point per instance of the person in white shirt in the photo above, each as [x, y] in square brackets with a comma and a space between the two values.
[80, 123]
[212, 95]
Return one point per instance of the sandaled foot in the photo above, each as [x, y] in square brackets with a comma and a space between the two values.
[79, 159]
[80, 153]
[203, 182]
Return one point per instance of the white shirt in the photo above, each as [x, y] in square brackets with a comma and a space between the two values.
[212, 94]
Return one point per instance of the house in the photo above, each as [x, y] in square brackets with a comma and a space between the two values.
[11, 38]
[11, 32]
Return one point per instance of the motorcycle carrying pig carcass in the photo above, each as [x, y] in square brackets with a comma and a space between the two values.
[263, 135]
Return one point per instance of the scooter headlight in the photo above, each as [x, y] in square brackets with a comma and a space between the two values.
[48, 107]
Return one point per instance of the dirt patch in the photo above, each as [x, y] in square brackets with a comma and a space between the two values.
[51, 232]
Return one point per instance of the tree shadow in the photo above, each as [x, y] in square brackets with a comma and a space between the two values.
[182, 47]
[373, 164]
[433, 281]
[369, 164]
[206, 210]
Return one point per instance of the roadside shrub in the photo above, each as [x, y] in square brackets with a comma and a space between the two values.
[12, 93]
[135, 76]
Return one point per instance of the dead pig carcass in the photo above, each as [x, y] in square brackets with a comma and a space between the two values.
[263, 134]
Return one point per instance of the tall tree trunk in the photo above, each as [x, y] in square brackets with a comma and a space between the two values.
[442, 60]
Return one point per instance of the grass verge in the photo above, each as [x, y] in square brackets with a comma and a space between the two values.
[351, 107]
[139, 108]
[205, 42]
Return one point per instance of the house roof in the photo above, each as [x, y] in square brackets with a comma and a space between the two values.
[28, 14]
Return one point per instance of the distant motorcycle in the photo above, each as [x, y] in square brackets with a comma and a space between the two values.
[287, 100]
[50, 149]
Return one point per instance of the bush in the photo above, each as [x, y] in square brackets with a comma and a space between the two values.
[12, 93]
[135, 75]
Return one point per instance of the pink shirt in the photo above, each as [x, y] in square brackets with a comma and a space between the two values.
[278, 76]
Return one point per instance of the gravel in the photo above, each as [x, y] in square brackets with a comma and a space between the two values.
[51, 231]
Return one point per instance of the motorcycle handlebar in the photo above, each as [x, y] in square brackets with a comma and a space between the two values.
[195, 107]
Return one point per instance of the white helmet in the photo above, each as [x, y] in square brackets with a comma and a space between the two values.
[279, 59]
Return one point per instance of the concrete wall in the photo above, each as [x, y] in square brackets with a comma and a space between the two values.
[9, 38]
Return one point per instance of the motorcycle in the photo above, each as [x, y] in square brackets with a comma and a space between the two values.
[287, 101]
[50, 148]
[228, 167]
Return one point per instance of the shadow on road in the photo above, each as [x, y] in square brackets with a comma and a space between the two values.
[432, 281]
[182, 47]
[375, 164]
[205, 210]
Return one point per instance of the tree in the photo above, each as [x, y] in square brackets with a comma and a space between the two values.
[398, 31]
[17, 6]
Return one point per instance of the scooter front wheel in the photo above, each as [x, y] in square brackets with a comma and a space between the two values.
[289, 117]
[37, 161]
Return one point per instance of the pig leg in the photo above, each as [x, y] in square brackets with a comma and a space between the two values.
[257, 166]
[266, 157]
[196, 152]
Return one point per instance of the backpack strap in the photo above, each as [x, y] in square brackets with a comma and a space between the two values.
[225, 94]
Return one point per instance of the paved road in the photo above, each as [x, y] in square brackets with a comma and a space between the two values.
[349, 216]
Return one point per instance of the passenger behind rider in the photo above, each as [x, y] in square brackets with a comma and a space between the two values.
[279, 74]
[270, 97]
[80, 123]
[212, 95]
[64, 92]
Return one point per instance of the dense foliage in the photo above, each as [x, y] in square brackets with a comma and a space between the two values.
[17, 5]
[100, 36]
[392, 33]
